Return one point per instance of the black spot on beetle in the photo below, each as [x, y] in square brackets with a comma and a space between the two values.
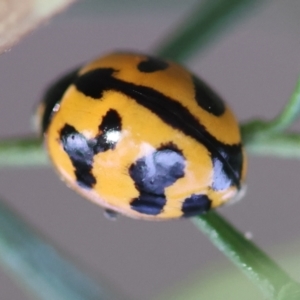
[195, 205]
[207, 99]
[111, 121]
[152, 174]
[82, 150]
[80, 153]
[148, 204]
[110, 128]
[222, 176]
[93, 83]
[152, 64]
[173, 113]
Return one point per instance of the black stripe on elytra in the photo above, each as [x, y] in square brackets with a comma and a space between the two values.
[152, 64]
[95, 82]
[207, 99]
[152, 174]
[195, 205]
[82, 150]
[54, 95]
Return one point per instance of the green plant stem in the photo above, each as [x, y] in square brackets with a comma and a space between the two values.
[259, 268]
[36, 265]
[22, 152]
[207, 20]
[281, 145]
[256, 130]
[289, 114]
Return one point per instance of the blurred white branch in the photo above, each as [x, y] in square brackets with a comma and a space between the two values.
[17, 18]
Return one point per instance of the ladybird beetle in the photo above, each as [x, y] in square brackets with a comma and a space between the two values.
[142, 137]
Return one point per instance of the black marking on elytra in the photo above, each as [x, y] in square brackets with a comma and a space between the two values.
[172, 112]
[80, 153]
[152, 64]
[195, 205]
[221, 181]
[82, 150]
[207, 99]
[110, 127]
[54, 95]
[152, 174]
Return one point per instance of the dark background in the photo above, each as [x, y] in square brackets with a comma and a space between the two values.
[254, 66]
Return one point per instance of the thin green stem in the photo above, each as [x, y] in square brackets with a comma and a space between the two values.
[22, 152]
[270, 138]
[289, 114]
[207, 20]
[260, 129]
[282, 145]
[255, 264]
[36, 265]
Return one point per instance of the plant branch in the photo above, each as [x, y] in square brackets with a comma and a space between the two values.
[22, 152]
[20, 17]
[281, 145]
[256, 130]
[255, 264]
[289, 114]
[39, 267]
[203, 25]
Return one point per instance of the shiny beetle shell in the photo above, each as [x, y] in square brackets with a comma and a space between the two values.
[143, 137]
